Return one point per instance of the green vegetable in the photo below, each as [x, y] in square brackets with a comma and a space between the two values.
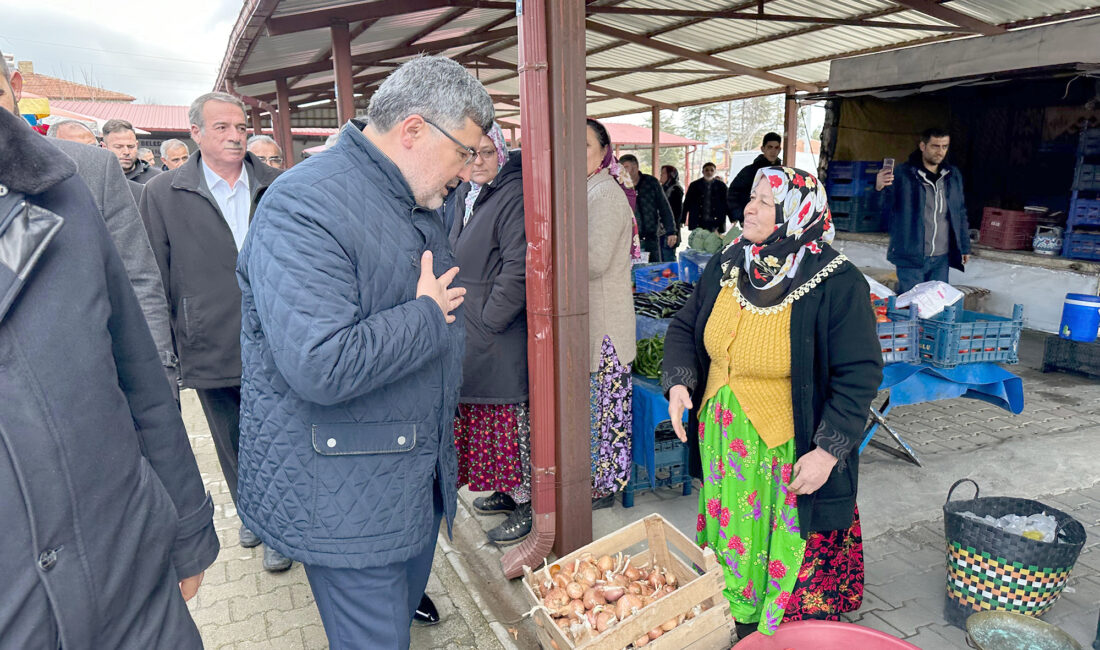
[650, 357]
[705, 241]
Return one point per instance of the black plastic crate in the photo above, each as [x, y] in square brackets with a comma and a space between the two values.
[1064, 355]
[1087, 176]
[1089, 143]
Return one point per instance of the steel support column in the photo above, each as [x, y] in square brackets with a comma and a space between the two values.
[790, 129]
[341, 70]
[257, 123]
[656, 142]
[281, 123]
[552, 108]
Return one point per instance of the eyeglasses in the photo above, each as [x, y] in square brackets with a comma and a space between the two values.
[468, 153]
[488, 155]
[276, 160]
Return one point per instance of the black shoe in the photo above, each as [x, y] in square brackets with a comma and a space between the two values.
[515, 528]
[744, 629]
[248, 538]
[426, 613]
[274, 561]
[495, 503]
[603, 502]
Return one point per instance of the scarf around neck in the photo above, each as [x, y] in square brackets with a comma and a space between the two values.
[796, 256]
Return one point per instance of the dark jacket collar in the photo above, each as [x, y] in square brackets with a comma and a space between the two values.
[28, 162]
[761, 161]
[379, 169]
[189, 176]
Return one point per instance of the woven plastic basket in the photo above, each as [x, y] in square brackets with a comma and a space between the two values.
[991, 569]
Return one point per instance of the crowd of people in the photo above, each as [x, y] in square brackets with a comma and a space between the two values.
[355, 329]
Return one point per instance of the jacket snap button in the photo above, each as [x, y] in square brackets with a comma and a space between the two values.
[331, 443]
[3, 190]
[400, 440]
[46, 559]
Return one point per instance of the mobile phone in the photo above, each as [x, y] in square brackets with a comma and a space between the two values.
[888, 164]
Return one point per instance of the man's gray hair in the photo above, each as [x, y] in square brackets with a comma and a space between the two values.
[144, 150]
[265, 139]
[194, 114]
[56, 127]
[116, 126]
[4, 71]
[435, 88]
[169, 145]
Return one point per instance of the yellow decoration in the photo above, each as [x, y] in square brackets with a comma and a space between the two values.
[37, 106]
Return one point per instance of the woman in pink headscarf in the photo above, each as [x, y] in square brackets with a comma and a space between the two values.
[612, 247]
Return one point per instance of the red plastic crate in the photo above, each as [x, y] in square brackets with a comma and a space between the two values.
[1009, 230]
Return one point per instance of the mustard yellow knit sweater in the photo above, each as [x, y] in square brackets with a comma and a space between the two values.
[751, 353]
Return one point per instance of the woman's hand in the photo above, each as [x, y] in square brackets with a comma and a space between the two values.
[679, 399]
[811, 471]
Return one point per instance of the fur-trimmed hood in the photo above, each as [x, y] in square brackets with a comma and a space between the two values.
[28, 162]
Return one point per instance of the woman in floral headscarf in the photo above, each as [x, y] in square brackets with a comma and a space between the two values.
[777, 348]
[612, 242]
[492, 430]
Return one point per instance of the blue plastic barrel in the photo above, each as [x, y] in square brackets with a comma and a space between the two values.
[1080, 317]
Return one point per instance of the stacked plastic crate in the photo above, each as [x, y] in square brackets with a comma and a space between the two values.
[1083, 223]
[855, 204]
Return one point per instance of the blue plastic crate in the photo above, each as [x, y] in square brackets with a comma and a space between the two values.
[692, 263]
[899, 338]
[849, 170]
[1089, 143]
[1082, 246]
[1087, 176]
[957, 336]
[1083, 212]
[647, 328]
[671, 459]
[859, 187]
[649, 277]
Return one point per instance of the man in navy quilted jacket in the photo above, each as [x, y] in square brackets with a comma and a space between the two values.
[352, 348]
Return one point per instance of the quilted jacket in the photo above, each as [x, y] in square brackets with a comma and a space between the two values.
[350, 382]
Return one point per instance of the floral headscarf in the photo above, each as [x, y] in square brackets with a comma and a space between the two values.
[611, 164]
[497, 136]
[795, 253]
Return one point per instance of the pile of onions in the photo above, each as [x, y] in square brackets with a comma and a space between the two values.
[592, 594]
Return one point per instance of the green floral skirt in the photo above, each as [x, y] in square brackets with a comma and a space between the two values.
[746, 514]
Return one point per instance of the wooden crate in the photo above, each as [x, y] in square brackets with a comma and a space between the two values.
[711, 630]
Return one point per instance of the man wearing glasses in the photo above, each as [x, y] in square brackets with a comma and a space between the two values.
[352, 350]
[267, 150]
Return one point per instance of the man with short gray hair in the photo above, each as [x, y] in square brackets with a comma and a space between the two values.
[173, 153]
[352, 345]
[267, 150]
[120, 139]
[197, 217]
[73, 131]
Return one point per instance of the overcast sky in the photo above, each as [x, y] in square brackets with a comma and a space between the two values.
[159, 51]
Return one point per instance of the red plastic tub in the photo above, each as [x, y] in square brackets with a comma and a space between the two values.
[823, 635]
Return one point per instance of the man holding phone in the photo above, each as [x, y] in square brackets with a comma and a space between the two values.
[926, 213]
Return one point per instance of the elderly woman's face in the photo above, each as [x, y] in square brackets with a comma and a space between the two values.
[485, 167]
[595, 152]
[760, 213]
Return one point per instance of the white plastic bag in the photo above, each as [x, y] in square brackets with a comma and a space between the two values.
[1038, 527]
[930, 298]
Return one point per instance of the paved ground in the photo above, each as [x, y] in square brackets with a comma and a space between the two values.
[1048, 453]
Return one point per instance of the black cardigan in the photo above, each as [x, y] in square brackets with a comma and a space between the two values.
[836, 369]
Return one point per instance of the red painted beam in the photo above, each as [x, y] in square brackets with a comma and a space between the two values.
[341, 69]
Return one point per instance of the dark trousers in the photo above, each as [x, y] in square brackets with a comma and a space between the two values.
[659, 251]
[934, 268]
[222, 407]
[373, 607]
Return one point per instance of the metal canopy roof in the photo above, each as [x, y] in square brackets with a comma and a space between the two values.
[641, 54]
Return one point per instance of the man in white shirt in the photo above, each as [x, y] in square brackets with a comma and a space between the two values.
[197, 216]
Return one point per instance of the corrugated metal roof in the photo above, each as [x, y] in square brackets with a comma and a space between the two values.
[797, 51]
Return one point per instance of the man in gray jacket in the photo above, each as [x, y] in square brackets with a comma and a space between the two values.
[100, 171]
